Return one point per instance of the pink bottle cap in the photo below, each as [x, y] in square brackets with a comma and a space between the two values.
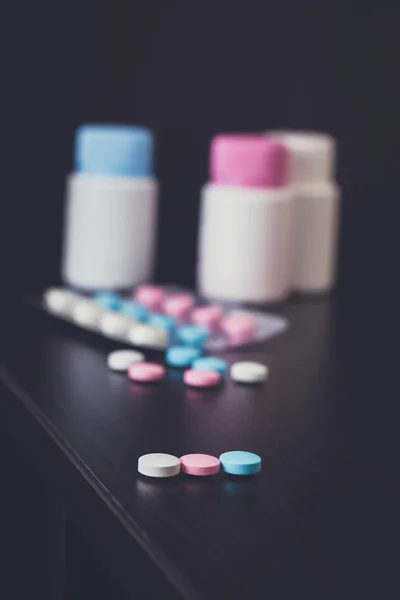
[178, 306]
[254, 161]
[199, 464]
[150, 296]
[208, 316]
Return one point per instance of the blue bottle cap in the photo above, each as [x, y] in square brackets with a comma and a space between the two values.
[118, 150]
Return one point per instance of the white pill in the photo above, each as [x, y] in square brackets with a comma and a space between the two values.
[121, 360]
[60, 301]
[159, 465]
[115, 324]
[87, 313]
[249, 372]
[146, 335]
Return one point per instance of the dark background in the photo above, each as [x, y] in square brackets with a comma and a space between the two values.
[189, 70]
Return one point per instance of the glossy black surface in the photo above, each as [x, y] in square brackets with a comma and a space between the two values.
[320, 519]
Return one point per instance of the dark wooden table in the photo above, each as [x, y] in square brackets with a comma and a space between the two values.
[319, 521]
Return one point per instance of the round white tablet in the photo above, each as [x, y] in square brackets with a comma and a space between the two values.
[249, 372]
[87, 313]
[60, 301]
[159, 465]
[121, 360]
[146, 335]
[115, 324]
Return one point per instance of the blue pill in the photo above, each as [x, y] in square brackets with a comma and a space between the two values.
[240, 463]
[163, 322]
[192, 335]
[136, 311]
[211, 363]
[108, 300]
[181, 356]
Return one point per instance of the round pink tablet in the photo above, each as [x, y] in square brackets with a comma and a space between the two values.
[151, 296]
[178, 306]
[238, 326]
[208, 316]
[199, 464]
[146, 371]
[200, 378]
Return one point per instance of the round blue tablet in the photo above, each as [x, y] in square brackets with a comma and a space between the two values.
[162, 322]
[108, 300]
[134, 310]
[181, 356]
[211, 363]
[192, 335]
[240, 463]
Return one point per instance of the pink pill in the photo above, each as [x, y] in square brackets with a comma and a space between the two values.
[151, 296]
[238, 325]
[199, 464]
[200, 378]
[208, 316]
[146, 371]
[178, 306]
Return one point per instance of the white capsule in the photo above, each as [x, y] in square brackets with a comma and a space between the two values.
[121, 360]
[146, 335]
[114, 324]
[249, 372]
[87, 313]
[159, 465]
[60, 301]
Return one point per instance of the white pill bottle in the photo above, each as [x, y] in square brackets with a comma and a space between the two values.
[111, 209]
[244, 243]
[316, 209]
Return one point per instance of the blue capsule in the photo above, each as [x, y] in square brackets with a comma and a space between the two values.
[108, 300]
[211, 363]
[136, 311]
[193, 335]
[181, 356]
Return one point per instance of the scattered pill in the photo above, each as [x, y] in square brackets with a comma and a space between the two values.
[146, 335]
[208, 316]
[211, 363]
[151, 296]
[87, 313]
[60, 301]
[199, 464]
[163, 322]
[178, 306]
[121, 360]
[107, 300]
[238, 325]
[159, 465]
[192, 335]
[146, 372]
[240, 463]
[134, 310]
[249, 372]
[181, 356]
[115, 324]
[201, 378]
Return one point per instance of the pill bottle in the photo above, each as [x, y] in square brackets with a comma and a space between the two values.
[311, 166]
[244, 243]
[111, 209]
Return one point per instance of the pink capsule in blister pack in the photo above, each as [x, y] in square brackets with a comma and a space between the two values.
[228, 327]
